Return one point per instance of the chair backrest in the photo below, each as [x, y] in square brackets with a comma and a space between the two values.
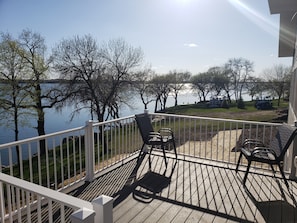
[145, 126]
[283, 139]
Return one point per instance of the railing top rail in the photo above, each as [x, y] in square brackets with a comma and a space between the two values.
[113, 120]
[68, 200]
[23, 141]
[5, 145]
[217, 119]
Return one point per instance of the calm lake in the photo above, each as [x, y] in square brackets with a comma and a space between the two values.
[57, 121]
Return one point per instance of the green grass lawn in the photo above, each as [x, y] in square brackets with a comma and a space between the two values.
[249, 113]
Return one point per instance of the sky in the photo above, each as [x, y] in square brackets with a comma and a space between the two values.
[182, 35]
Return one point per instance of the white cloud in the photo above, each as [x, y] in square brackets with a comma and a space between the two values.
[190, 45]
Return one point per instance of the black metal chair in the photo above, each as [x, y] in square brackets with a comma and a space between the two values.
[160, 139]
[255, 150]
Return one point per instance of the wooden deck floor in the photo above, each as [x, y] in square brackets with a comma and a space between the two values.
[191, 191]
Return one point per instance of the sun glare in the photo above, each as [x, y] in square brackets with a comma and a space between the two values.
[183, 1]
[255, 16]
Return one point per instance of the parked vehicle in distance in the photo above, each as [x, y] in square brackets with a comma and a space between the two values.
[218, 102]
[264, 104]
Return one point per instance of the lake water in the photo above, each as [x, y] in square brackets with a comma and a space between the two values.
[58, 121]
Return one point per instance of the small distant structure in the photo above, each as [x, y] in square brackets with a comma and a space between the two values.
[264, 104]
[217, 102]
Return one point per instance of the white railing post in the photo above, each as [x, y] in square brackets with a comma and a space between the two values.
[103, 206]
[89, 150]
[2, 202]
[83, 215]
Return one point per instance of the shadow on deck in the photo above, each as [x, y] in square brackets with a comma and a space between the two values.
[191, 191]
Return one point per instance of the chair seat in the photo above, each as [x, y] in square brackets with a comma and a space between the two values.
[254, 150]
[260, 154]
[160, 139]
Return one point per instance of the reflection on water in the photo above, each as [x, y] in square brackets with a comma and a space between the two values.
[58, 121]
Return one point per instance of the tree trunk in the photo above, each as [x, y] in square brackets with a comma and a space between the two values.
[40, 130]
[156, 105]
[164, 103]
[278, 101]
[175, 103]
[40, 121]
[16, 138]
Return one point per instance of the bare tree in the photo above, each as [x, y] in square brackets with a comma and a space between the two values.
[11, 71]
[240, 70]
[278, 80]
[98, 76]
[78, 61]
[144, 87]
[120, 62]
[161, 88]
[37, 67]
[218, 80]
[255, 86]
[178, 81]
[13, 92]
[201, 84]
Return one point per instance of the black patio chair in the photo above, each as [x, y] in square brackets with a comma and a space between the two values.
[255, 150]
[160, 139]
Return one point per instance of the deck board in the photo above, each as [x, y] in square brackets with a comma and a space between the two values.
[192, 190]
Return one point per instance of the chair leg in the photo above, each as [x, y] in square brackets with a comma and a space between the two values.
[164, 155]
[283, 175]
[141, 152]
[174, 147]
[239, 158]
[271, 166]
[150, 162]
[246, 173]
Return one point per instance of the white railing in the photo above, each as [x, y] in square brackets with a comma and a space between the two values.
[71, 157]
[59, 163]
[79, 154]
[213, 138]
[22, 201]
[121, 140]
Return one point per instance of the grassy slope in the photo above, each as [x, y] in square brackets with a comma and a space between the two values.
[250, 113]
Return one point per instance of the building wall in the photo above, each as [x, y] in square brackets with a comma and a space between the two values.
[293, 91]
[287, 9]
[290, 161]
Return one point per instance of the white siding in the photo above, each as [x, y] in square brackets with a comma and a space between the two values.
[289, 162]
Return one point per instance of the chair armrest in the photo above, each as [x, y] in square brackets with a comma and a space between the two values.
[154, 134]
[264, 151]
[245, 151]
[253, 142]
[166, 131]
[155, 138]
